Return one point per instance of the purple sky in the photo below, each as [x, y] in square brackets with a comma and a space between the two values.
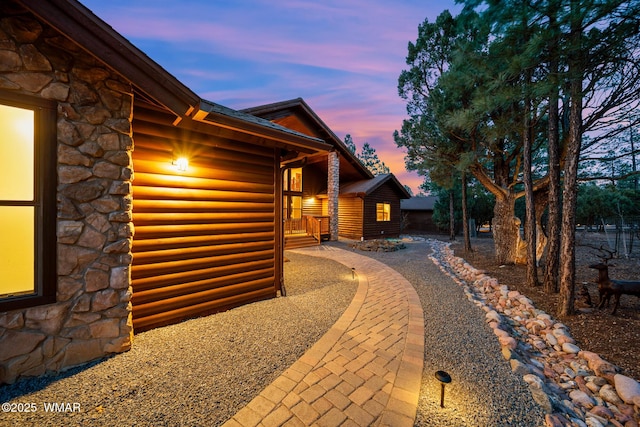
[343, 57]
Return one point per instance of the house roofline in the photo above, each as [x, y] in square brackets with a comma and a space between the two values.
[376, 183]
[210, 112]
[302, 104]
[372, 185]
[77, 22]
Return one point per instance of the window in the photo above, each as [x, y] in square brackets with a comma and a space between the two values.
[292, 202]
[296, 207]
[27, 201]
[383, 212]
[293, 180]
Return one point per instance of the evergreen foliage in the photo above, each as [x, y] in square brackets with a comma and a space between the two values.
[351, 146]
[499, 89]
[367, 156]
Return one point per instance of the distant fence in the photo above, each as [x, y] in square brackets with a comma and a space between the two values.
[617, 234]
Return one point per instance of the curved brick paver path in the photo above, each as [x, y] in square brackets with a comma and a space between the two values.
[366, 370]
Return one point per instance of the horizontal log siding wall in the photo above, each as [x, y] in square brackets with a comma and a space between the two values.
[350, 217]
[205, 238]
[420, 221]
[312, 206]
[374, 229]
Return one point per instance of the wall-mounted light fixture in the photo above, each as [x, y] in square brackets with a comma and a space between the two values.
[444, 378]
[181, 163]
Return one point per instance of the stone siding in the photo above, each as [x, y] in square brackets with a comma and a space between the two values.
[333, 192]
[92, 315]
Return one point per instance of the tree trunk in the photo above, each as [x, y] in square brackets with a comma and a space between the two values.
[553, 221]
[570, 190]
[506, 229]
[465, 215]
[452, 216]
[567, 242]
[530, 207]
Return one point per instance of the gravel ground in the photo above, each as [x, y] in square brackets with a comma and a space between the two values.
[483, 391]
[199, 372]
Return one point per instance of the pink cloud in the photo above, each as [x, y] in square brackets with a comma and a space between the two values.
[342, 56]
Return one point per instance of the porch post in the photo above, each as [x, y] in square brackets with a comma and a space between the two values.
[333, 190]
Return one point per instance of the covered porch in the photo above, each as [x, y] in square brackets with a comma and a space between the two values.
[308, 230]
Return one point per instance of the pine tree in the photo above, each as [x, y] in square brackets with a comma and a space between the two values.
[351, 146]
[369, 158]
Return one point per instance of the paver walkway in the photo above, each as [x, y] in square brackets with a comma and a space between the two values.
[366, 370]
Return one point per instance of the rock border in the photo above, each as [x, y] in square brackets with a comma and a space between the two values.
[573, 386]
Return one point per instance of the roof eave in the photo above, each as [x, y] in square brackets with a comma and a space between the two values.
[100, 40]
[77, 22]
[301, 104]
[219, 115]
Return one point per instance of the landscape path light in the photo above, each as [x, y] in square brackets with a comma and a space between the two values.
[444, 378]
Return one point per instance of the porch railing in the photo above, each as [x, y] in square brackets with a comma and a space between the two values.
[295, 226]
[315, 226]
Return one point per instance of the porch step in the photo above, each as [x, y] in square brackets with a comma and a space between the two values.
[299, 241]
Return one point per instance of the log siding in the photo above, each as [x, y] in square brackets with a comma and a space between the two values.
[205, 239]
[373, 229]
[350, 211]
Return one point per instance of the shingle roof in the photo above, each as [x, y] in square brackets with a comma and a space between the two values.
[299, 104]
[367, 186]
[209, 109]
[418, 203]
[99, 39]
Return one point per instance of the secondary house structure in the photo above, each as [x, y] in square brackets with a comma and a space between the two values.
[418, 213]
[127, 201]
[370, 209]
[335, 189]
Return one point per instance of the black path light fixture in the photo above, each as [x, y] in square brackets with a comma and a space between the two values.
[444, 378]
[353, 272]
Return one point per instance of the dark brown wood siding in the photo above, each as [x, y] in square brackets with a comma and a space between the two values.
[420, 222]
[374, 229]
[314, 181]
[205, 239]
[350, 217]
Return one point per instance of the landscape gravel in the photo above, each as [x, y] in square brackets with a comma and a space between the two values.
[202, 371]
[199, 372]
[484, 391]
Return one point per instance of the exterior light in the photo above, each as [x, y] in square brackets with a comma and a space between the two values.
[181, 163]
[444, 378]
[353, 272]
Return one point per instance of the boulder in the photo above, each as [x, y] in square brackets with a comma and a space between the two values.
[627, 388]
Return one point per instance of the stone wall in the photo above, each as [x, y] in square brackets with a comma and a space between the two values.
[333, 192]
[92, 315]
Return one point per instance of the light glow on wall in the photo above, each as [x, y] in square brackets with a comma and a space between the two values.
[181, 163]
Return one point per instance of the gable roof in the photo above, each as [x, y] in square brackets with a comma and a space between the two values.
[97, 38]
[367, 186]
[418, 203]
[210, 112]
[297, 114]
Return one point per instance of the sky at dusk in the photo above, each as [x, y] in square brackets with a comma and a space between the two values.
[343, 57]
